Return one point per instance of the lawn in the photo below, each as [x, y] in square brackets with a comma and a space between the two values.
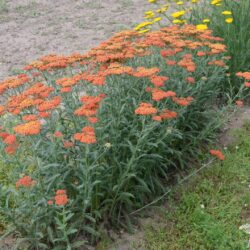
[207, 213]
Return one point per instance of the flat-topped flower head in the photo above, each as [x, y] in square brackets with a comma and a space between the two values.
[145, 109]
[25, 181]
[29, 128]
[61, 198]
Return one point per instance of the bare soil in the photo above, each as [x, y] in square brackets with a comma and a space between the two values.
[32, 28]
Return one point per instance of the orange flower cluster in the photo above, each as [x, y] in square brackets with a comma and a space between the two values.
[29, 128]
[170, 52]
[68, 144]
[218, 154]
[201, 53]
[158, 81]
[246, 76]
[58, 134]
[90, 107]
[28, 118]
[145, 109]
[25, 181]
[10, 141]
[144, 72]
[168, 114]
[53, 62]
[183, 101]
[190, 80]
[37, 100]
[29, 98]
[50, 104]
[219, 63]
[187, 63]
[87, 136]
[117, 69]
[158, 94]
[13, 82]
[61, 198]
[239, 103]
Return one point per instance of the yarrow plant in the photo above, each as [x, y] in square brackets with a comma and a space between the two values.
[94, 136]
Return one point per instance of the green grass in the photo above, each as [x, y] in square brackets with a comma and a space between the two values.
[208, 212]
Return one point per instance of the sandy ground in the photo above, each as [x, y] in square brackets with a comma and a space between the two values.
[31, 28]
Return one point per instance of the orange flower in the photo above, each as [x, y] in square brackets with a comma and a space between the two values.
[92, 119]
[158, 94]
[50, 202]
[247, 84]
[28, 118]
[245, 75]
[10, 139]
[201, 53]
[51, 104]
[157, 118]
[25, 181]
[144, 72]
[66, 90]
[66, 82]
[168, 114]
[87, 136]
[29, 128]
[168, 52]
[239, 103]
[158, 81]
[61, 198]
[190, 80]
[145, 109]
[4, 135]
[171, 62]
[68, 144]
[60, 192]
[218, 154]
[58, 134]
[11, 149]
[183, 101]
[44, 114]
[217, 63]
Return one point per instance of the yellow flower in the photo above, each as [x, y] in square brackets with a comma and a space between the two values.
[149, 14]
[152, 1]
[216, 2]
[142, 25]
[177, 21]
[157, 19]
[143, 31]
[178, 14]
[195, 1]
[229, 20]
[201, 27]
[180, 3]
[226, 12]
[206, 20]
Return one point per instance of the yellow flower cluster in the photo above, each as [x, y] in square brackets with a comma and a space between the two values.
[182, 8]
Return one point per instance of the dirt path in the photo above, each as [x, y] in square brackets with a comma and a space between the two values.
[31, 28]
